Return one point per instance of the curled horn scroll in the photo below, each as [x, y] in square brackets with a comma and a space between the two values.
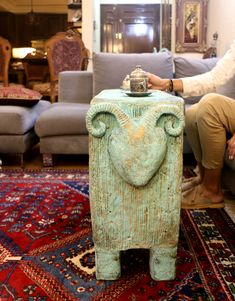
[137, 147]
[152, 116]
[98, 129]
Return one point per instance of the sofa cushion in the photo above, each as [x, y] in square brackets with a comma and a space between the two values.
[75, 86]
[17, 120]
[63, 119]
[228, 89]
[17, 144]
[110, 69]
[18, 96]
[186, 67]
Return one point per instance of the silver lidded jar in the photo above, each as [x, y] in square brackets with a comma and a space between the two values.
[138, 80]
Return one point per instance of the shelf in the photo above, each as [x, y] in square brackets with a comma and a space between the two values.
[75, 14]
[74, 5]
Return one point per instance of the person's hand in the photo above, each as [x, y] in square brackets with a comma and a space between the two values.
[231, 147]
[155, 82]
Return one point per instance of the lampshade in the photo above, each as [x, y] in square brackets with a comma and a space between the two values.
[21, 52]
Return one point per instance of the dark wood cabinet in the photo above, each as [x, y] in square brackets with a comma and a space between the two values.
[15, 28]
[130, 28]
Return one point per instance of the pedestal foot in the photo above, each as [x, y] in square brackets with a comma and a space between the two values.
[108, 265]
[162, 263]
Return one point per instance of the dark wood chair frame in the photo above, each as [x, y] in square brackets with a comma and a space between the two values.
[6, 56]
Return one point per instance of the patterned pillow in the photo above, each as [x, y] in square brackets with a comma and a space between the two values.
[18, 96]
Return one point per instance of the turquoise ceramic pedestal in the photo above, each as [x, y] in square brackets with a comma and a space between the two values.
[135, 179]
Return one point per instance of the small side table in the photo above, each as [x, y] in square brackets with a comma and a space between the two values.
[135, 168]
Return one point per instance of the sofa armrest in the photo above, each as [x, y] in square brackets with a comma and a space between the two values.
[75, 86]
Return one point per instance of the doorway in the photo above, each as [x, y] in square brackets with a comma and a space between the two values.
[130, 28]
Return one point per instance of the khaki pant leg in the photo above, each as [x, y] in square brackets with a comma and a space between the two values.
[214, 117]
[192, 131]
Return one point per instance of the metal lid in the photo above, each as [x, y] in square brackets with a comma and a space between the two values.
[138, 72]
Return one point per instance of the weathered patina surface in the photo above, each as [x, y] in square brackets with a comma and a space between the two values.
[135, 165]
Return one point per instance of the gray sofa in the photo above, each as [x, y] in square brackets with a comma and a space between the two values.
[62, 129]
[17, 133]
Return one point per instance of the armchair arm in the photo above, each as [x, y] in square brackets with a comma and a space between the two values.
[75, 86]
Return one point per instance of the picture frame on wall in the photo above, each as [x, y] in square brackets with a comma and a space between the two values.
[191, 25]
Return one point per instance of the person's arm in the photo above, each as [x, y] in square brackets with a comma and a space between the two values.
[203, 83]
[163, 84]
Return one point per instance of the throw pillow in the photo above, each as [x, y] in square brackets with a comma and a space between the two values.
[18, 96]
[228, 89]
[185, 67]
[110, 69]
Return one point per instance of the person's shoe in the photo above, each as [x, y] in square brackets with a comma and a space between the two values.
[195, 199]
[189, 183]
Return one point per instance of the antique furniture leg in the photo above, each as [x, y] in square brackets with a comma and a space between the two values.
[162, 263]
[47, 160]
[107, 264]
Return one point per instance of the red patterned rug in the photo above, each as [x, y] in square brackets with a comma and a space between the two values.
[47, 252]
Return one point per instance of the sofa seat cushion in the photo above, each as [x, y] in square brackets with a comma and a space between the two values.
[17, 120]
[17, 144]
[110, 69]
[63, 119]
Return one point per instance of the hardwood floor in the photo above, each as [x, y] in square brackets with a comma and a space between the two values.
[33, 160]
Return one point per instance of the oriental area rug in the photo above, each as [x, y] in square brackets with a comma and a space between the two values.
[47, 251]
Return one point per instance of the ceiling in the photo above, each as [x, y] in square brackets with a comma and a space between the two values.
[40, 6]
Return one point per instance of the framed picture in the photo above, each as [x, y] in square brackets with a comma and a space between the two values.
[191, 25]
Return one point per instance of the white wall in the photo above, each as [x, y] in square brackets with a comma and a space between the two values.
[221, 18]
[87, 27]
[87, 23]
